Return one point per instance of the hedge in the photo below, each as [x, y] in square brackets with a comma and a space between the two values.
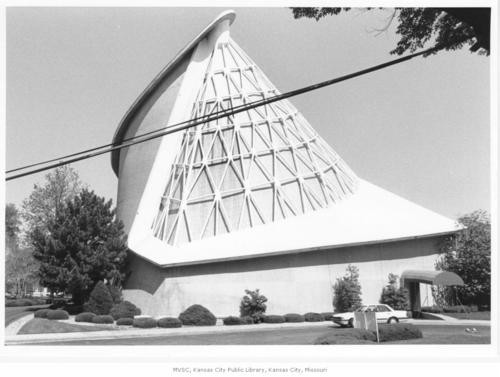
[294, 317]
[144, 322]
[85, 317]
[124, 309]
[125, 322]
[197, 315]
[41, 313]
[328, 316]
[57, 314]
[274, 319]
[313, 317]
[247, 320]
[398, 331]
[104, 318]
[25, 302]
[232, 320]
[169, 322]
[347, 336]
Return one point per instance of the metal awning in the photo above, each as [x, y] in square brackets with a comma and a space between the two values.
[431, 277]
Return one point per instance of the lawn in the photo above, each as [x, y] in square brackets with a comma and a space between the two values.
[15, 312]
[437, 334]
[45, 326]
[473, 315]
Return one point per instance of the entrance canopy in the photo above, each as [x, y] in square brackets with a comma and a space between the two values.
[431, 277]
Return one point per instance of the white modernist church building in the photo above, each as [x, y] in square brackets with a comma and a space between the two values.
[253, 200]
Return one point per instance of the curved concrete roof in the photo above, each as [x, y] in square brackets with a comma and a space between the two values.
[164, 73]
[433, 277]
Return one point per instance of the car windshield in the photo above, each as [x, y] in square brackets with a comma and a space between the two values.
[362, 309]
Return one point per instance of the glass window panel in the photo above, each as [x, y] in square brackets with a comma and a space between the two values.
[282, 172]
[266, 161]
[231, 180]
[210, 229]
[292, 192]
[314, 184]
[233, 205]
[256, 176]
[263, 199]
[216, 172]
[197, 213]
[202, 186]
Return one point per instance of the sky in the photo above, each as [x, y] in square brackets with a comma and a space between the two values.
[419, 129]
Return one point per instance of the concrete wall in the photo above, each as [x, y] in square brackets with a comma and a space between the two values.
[136, 162]
[292, 283]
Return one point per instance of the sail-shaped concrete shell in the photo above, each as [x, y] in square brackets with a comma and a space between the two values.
[255, 200]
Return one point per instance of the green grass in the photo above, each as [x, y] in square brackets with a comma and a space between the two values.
[473, 315]
[45, 326]
[435, 334]
[14, 313]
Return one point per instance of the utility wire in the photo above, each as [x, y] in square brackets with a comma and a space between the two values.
[94, 152]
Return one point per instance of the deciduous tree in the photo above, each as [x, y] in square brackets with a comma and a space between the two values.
[347, 291]
[452, 27]
[468, 254]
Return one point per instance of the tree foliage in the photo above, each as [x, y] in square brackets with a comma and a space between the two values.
[468, 254]
[47, 200]
[21, 271]
[12, 227]
[84, 244]
[450, 27]
[347, 291]
[394, 296]
[100, 300]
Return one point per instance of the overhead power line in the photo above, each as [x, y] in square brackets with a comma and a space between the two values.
[107, 148]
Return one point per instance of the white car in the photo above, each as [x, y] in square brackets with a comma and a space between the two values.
[384, 313]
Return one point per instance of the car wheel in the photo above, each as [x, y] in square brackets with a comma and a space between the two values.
[393, 320]
[351, 322]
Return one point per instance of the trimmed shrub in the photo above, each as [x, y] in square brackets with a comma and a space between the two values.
[106, 319]
[144, 322]
[24, 302]
[57, 314]
[398, 331]
[247, 320]
[125, 322]
[274, 319]
[197, 315]
[231, 320]
[116, 294]
[85, 317]
[41, 313]
[294, 317]
[253, 304]
[124, 309]
[169, 322]
[431, 309]
[313, 317]
[100, 301]
[73, 309]
[457, 309]
[57, 302]
[328, 316]
[347, 336]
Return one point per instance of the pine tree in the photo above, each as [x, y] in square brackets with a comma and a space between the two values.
[347, 291]
[84, 244]
[394, 296]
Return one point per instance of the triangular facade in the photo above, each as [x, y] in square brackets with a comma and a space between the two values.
[253, 168]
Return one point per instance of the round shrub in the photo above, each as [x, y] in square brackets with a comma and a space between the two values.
[106, 319]
[197, 315]
[100, 301]
[398, 331]
[125, 322]
[20, 302]
[85, 317]
[347, 336]
[232, 320]
[57, 314]
[294, 317]
[274, 319]
[313, 317]
[41, 313]
[247, 320]
[169, 322]
[327, 316]
[124, 309]
[144, 322]
[73, 309]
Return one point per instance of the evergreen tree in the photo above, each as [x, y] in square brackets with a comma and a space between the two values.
[394, 296]
[84, 244]
[347, 291]
[100, 301]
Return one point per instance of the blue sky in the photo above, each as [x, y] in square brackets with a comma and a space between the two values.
[419, 129]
